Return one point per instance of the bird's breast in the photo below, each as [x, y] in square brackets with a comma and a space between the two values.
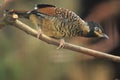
[51, 27]
[57, 28]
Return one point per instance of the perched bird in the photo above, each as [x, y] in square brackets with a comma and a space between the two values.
[60, 23]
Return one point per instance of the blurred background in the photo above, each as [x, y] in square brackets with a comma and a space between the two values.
[23, 57]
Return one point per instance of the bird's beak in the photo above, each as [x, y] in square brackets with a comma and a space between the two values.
[102, 35]
[105, 36]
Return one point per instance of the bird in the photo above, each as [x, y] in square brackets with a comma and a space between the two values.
[60, 23]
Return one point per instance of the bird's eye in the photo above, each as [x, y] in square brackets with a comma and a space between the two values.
[96, 29]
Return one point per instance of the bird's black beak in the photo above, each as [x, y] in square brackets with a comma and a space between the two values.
[105, 36]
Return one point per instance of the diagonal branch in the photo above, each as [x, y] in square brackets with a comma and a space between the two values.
[80, 49]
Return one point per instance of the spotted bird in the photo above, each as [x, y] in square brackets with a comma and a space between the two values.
[60, 23]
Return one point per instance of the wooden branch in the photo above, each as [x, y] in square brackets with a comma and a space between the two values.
[5, 5]
[80, 49]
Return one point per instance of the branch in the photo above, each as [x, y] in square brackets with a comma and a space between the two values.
[18, 24]
[5, 5]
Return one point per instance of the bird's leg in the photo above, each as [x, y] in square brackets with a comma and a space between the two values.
[39, 31]
[62, 43]
[38, 24]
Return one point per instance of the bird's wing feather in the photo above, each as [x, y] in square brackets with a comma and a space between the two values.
[46, 9]
[43, 6]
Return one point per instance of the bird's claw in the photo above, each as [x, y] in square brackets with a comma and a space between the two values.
[62, 43]
[39, 33]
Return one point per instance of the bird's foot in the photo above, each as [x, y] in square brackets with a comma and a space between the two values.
[39, 33]
[62, 43]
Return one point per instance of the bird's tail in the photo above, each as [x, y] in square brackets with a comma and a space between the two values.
[21, 14]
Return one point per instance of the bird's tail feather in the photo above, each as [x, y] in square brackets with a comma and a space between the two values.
[21, 14]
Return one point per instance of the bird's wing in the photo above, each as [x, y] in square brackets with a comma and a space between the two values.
[45, 9]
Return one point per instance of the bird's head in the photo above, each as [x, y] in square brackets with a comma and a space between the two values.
[96, 30]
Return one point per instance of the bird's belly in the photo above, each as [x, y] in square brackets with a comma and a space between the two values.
[52, 33]
[49, 29]
[56, 28]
